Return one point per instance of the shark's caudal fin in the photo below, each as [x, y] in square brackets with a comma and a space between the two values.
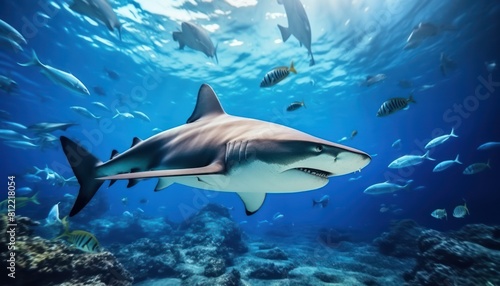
[177, 36]
[84, 167]
[285, 33]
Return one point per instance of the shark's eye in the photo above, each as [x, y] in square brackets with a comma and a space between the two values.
[319, 148]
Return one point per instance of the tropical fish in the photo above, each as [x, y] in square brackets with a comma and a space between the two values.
[13, 135]
[355, 178]
[84, 112]
[440, 139]
[489, 145]
[373, 79]
[112, 74]
[220, 152]
[439, 214]
[20, 144]
[31, 178]
[99, 10]
[491, 65]
[354, 133]
[404, 83]
[409, 160]
[123, 114]
[446, 64]
[142, 115]
[322, 202]
[20, 202]
[476, 168]
[53, 216]
[386, 188]
[101, 106]
[7, 84]
[295, 105]
[396, 144]
[59, 77]
[46, 127]
[298, 25]
[82, 240]
[276, 75]
[99, 90]
[461, 211]
[11, 33]
[23, 191]
[419, 33]
[278, 216]
[446, 164]
[394, 104]
[128, 214]
[196, 38]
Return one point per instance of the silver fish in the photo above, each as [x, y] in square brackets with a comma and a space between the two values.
[59, 77]
[85, 112]
[9, 32]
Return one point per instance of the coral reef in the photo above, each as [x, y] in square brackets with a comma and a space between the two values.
[400, 240]
[44, 262]
[459, 258]
[199, 252]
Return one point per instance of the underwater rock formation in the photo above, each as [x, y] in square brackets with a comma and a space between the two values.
[200, 252]
[44, 262]
[401, 240]
[459, 258]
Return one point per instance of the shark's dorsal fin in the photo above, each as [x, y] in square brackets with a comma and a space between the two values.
[207, 104]
[114, 153]
[135, 141]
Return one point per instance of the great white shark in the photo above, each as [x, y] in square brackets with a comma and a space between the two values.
[219, 152]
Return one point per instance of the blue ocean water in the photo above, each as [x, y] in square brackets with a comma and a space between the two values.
[350, 41]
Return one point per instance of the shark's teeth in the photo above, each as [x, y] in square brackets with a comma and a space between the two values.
[315, 172]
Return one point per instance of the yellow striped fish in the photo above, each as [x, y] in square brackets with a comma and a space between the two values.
[276, 75]
[82, 240]
[19, 202]
[394, 104]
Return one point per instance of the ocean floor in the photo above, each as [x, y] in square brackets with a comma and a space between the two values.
[211, 249]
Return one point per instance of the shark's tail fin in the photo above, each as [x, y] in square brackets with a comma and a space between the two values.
[34, 61]
[215, 53]
[452, 133]
[285, 33]
[84, 167]
[178, 37]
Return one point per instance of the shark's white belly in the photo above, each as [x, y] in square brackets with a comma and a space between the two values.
[257, 177]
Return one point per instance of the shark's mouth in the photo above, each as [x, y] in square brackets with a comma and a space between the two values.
[315, 172]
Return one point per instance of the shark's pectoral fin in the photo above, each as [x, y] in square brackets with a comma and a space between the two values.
[252, 201]
[214, 168]
[163, 183]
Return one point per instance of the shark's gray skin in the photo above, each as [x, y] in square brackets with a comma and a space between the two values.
[196, 38]
[99, 10]
[298, 25]
[219, 152]
[57, 76]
